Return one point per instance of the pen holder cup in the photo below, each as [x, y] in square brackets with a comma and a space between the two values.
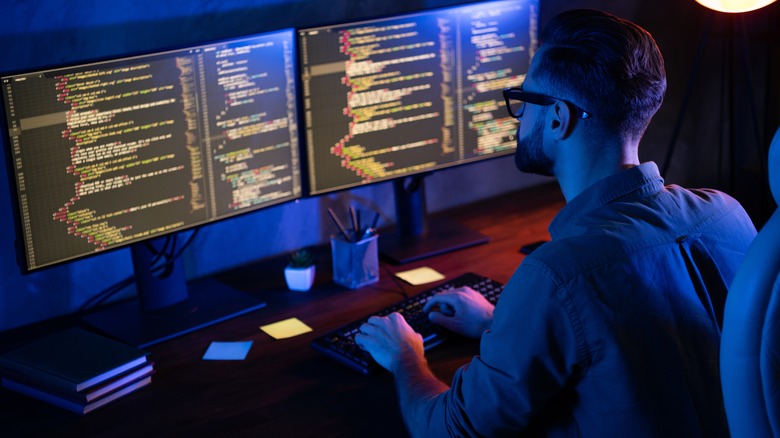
[355, 264]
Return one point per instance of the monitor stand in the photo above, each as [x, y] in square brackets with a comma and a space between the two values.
[167, 306]
[417, 236]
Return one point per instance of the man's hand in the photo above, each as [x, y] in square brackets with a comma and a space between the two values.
[462, 310]
[390, 341]
[399, 349]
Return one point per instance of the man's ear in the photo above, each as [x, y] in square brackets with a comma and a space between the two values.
[562, 122]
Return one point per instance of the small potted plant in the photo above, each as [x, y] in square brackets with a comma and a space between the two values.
[299, 273]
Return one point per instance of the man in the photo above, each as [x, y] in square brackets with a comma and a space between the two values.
[613, 327]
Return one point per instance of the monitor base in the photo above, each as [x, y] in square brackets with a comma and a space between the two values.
[209, 302]
[442, 236]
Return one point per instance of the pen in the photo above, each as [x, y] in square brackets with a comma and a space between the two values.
[375, 222]
[366, 232]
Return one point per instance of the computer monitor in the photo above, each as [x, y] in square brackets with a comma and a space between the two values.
[398, 97]
[123, 151]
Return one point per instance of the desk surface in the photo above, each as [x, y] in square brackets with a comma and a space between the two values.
[284, 387]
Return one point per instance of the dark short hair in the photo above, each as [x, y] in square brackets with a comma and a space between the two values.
[610, 66]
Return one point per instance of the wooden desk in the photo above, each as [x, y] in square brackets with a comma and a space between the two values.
[284, 388]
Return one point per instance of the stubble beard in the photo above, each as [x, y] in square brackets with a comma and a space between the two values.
[530, 156]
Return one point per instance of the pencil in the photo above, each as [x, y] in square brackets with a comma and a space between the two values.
[338, 224]
[355, 224]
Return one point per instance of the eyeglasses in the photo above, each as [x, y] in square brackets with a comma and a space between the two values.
[516, 99]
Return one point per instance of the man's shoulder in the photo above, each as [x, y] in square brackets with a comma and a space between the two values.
[702, 194]
[621, 229]
[705, 207]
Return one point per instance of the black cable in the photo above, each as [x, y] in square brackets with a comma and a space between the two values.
[398, 284]
[106, 293]
[175, 255]
[158, 254]
[166, 254]
[117, 287]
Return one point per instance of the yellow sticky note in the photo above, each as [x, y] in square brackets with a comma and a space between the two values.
[286, 328]
[420, 276]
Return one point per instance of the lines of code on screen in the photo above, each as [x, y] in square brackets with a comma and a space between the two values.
[404, 95]
[111, 153]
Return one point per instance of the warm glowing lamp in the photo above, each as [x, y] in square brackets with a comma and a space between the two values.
[735, 6]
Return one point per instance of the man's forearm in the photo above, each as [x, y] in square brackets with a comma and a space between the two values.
[416, 385]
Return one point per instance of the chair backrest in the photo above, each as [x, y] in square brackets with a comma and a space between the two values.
[750, 344]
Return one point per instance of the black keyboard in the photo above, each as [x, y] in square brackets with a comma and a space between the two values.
[340, 343]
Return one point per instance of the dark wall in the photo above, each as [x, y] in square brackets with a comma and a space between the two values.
[40, 33]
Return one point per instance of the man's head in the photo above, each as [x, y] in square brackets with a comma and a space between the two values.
[608, 66]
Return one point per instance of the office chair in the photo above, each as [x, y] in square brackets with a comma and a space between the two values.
[750, 343]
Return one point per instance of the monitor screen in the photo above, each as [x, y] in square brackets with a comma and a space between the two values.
[408, 94]
[110, 153]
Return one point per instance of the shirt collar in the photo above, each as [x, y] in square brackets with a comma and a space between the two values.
[640, 180]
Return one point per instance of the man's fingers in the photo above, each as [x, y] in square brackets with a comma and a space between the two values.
[375, 320]
[440, 319]
[439, 299]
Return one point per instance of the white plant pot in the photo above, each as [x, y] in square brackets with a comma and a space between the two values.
[299, 279]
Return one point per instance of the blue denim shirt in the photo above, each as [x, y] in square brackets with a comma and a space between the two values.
[613, 327]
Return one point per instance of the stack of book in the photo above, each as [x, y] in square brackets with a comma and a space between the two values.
[76, 369]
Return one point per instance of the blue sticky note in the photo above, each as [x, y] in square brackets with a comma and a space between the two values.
[227, 350]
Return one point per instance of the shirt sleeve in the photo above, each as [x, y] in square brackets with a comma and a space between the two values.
[533, 349]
